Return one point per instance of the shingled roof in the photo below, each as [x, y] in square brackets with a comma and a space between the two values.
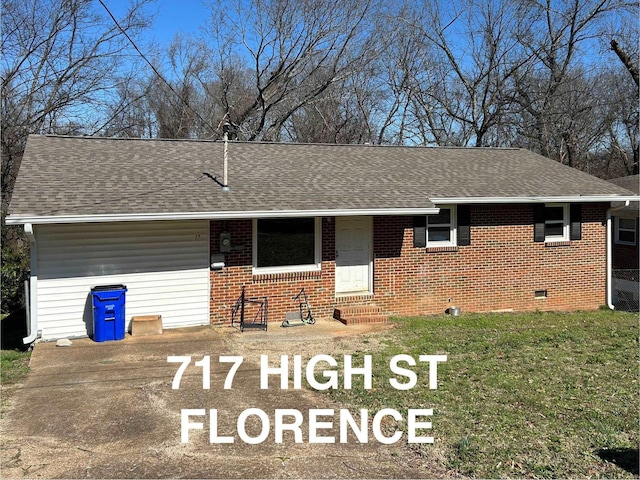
[631, 182]
[92, 179]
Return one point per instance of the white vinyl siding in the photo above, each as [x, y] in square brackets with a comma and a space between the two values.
[164, 265]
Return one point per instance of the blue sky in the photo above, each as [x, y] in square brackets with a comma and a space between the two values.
[176, 16]
[171, 17]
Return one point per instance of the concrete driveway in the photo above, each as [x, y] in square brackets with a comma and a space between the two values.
[107, 410]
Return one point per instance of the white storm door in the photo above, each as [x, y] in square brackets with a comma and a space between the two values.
[353, 254]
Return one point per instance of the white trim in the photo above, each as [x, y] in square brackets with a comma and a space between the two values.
[229, 215]
[371, 264]
[33, 285]
[314, 267]
[560, 199]
[609, 254]
[565, 224]
[370, 273]
[141, 217]
[453, 229]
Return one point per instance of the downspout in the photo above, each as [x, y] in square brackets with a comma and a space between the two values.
[32, 319]
[609, 262]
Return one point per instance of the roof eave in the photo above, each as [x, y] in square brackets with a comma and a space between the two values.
[17, 219]
[536, 199]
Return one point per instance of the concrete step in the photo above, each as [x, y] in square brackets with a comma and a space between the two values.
[360, 314]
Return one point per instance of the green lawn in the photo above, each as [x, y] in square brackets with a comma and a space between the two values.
[521, 395]
[14, 366]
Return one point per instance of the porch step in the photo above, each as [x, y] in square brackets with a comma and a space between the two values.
[360, 314]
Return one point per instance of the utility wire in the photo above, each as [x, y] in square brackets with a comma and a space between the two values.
[155, 70]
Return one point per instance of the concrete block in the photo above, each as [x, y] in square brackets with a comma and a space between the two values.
[146, 325]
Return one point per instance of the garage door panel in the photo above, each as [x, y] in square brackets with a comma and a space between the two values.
[165, 266]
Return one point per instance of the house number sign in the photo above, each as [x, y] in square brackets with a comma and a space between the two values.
[320, 373]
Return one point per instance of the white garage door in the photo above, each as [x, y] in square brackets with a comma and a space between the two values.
[164, 265]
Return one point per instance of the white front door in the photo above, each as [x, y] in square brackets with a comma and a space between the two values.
[353, 254]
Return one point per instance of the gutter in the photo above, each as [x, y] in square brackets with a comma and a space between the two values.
[232, 215]
[32, 319]
[556, 199]
[140, 217]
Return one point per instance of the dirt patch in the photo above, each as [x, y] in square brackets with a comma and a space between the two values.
[327, 337]
[107, 410]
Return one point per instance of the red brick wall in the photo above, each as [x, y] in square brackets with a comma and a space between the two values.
[226, 285]
[500, 270]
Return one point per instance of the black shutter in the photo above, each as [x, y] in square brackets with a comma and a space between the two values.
[420, 231]
[575, 219]
[464, 225]
[538, 222]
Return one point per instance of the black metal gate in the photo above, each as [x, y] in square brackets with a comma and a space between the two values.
[250, 312]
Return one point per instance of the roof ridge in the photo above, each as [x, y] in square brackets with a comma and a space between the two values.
[263, 142]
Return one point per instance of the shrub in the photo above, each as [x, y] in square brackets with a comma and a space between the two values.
[14, 270]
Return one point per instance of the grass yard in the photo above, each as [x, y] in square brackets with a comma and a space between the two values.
[521, 395]
[14, 366]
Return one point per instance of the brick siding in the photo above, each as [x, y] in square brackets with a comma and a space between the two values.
[501, 269]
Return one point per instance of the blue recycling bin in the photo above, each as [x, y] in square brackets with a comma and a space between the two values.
[108, 312]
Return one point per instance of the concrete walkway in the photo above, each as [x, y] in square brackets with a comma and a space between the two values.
[107, 410]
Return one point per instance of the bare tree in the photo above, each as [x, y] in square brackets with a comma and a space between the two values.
[468, 57]
[619, 144]
[177, 103]
[551, 89]
[342, 114]
[295, 52]
[61, 61]
[625, 129]
[130, 116]
[628, 62]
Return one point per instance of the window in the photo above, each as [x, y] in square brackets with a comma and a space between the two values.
[286, 244]
[557, 222]
[625, 229]
[449, 228]
[441, 228]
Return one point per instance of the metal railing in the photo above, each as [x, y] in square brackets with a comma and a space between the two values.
[256, 309]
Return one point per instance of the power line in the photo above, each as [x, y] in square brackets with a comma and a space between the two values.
[155, 70]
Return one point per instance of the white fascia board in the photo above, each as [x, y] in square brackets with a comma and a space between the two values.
[144, 217]
[559, 199]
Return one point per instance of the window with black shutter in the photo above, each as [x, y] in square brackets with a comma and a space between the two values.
[557, 222]
[448, 228]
